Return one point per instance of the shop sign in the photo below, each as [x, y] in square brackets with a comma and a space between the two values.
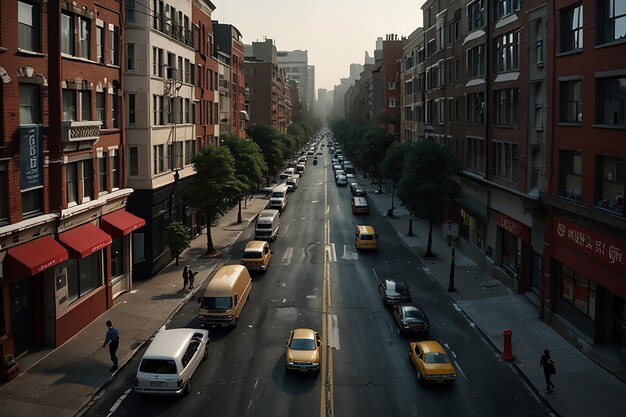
[513, 226]
[602, 248]
[31, 156]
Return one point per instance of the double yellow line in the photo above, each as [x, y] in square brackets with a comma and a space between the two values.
[326, 395]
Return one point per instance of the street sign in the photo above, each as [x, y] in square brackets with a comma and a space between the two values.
[451, 229]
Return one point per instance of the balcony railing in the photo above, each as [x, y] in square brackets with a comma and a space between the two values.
[75, 131]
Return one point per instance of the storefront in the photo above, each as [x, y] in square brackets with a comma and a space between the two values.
[513, 250]
[588, 285]
[473, 216]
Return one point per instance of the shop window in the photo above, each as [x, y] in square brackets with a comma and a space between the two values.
[578, 291]
[117, 257]
[511, 252]
[611, 20]
[84, 276]
[570, 174]
[31, 202]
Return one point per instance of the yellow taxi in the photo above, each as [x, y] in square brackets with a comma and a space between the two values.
[431, 362]
[256, 256]
[303, 350]
[365, 237]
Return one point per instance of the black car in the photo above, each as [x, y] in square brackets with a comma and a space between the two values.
[357, 190]
[411, 318]
[394, 291]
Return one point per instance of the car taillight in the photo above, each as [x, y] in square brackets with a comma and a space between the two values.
[179, 383]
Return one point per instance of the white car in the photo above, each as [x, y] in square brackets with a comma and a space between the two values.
[171, 359]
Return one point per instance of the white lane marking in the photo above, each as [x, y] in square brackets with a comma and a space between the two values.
[286, 229]
[287, 256]
[333, 332]
[249, 405]
[256, 382]
[348, 254]
[284, 300]
[315, 201]
[327, 209]
[375, 274]
[118, 402]
[456, 364]
[311, 296]
[331, 255]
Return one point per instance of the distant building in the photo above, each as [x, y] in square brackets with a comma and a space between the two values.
[298, 69]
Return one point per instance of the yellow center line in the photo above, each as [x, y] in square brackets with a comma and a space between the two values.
[326, 397]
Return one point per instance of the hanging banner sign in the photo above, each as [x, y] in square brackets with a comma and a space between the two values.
[31, 156]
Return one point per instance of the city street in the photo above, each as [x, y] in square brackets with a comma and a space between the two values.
[317, 279]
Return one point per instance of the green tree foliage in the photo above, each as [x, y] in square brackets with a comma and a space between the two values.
[426, 187]
[391, 165]
[269, 142]
[215, 188]
[178, 238]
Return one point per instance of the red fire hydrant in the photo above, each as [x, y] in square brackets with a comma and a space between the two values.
[507, 354]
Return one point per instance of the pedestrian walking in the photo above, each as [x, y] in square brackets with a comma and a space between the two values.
[113, 340]
[548, 369]
[187, 275]
[191, 277]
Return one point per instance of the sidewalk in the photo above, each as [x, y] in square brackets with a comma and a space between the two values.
[583, 388]
[61, 382]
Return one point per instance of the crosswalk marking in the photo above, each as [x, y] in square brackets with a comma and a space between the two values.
[348, 254]
[333, 331]
[287, 256]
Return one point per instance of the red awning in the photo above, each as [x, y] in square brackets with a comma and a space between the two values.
[34, 256]
[84, 240]
[120, 223]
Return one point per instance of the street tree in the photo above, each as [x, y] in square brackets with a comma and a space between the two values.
[391, 167]
[268, 140]
[215, 188]
[373, 147]
[426, 187]
[178, 238]
[250, 166]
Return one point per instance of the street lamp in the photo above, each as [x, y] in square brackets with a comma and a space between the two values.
[171, 199]
[451, 283]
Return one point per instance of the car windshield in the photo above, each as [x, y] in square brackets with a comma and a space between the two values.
[158, 366]
[264, 226]
[216, 303]
[367, 237]
[413, 315]
[436, 357]
[302, 344]
[398, 287]
[251, 255]
[278, 194]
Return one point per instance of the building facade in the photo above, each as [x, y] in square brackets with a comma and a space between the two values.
[64, 232]
[297, 68]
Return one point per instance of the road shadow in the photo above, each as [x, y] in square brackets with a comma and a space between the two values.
[292, 382]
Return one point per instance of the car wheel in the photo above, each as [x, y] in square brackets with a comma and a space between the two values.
[188, 387]
[419, 376]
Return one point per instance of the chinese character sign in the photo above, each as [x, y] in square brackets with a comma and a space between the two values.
[31, 156]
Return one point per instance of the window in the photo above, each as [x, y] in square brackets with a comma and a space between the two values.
[115, 109]
[611, 96]
[67, 34]
[30, 106]
[392, 102]
[505, 160]
[71, 182]
[506, 7]
[28, 26]
[84, 34]
[158, 110]
[159, 158]
[170, 110]
[506, 112]
[171, 65]
[131, 11]
[507, 51]
[476, 108]
[475, 154]
[430, 48]
[476, 62]
[83, 276]
[610, 187]
[31, 202]
[187, 70]
[102, 174]
[87, 179]
[538, 91]
[570, 174]
[100, 44]
[440, 115]
[391, 85]
[115, 172]
[69, 104]
[132, 109]
[130, 57]
[157, 62]
[187, 106]
[578, 291]
[133, 161]
[100, 112]
[114, 37]
[476, 15]
[4, 193]
[611, 20]
[571, 101]
[539, 50]
[85, 105]
[572, 29]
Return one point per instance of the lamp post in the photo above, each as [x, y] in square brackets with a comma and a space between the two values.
[393, 189]
[451, 283]
[171, 199]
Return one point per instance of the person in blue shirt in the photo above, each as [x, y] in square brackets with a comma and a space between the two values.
[113, 340]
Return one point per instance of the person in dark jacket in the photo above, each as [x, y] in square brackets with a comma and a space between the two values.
[113, 340]
[548, 369]
[188, 276]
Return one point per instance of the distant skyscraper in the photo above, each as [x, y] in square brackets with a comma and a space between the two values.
[297, 68]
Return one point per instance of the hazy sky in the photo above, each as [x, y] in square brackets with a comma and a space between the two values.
[336, 33]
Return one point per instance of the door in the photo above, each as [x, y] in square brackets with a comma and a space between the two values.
[22, 324]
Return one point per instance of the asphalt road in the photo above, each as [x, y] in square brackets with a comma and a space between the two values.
[317, 279]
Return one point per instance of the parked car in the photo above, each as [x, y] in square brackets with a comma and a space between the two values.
[341, 180]
[394, 291]
[431, 362]
[357, 190]
[336, 167]
[303, 351]
[170, 361]
[411, 319]
[256, 255]
[360, 205]
[292, 182]
[365, 237]
[349, 176]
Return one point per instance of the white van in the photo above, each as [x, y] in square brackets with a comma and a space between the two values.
[267, 224]
[278, 198]
[300, 168]
[287, 173]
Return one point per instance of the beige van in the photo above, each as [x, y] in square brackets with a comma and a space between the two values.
[225, 296]
[366, 237]
[278, 198]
